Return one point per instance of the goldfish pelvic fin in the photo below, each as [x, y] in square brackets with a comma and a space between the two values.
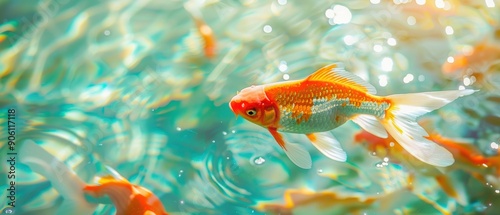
[63, 179]
[297, 154]
[371, 124]
[326, 143]
[401, 123]
[335, 73]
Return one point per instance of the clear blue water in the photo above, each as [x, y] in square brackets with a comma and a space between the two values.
[128, 84]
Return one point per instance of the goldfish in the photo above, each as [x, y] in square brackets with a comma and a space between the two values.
[204, 30]
[332, 96]
[478, 59]
[302, 201]
[127, 198]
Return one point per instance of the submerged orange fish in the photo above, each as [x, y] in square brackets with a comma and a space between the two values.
[206, 33]
[128, 199]
[482, 56]
[208, 37]
[330, 97]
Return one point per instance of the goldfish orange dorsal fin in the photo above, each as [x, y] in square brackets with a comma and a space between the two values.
[105, 179]
[336, 73]
[110, 178]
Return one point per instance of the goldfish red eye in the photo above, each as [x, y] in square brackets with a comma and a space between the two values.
[251, 112]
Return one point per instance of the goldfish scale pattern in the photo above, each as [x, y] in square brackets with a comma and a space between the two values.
[327, 114]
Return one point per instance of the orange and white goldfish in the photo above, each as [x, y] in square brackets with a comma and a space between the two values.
[206, 33]
[330, 97]
[127, 198]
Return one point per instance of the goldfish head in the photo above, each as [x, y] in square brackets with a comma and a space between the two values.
[253, 104]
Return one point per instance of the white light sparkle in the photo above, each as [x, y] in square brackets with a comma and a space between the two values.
[411, 20]
[259, 160]
[268, 28]
[494, 145]
[342, 14]
[349, 40]
[283, 66]
[382, 80]
[449, 30]
[439, 3]
[282, 2]
[450, 59]
[408, 78]
[391, 41]
[467, 81]
[329, 13]
[387, 64]
[490, 3]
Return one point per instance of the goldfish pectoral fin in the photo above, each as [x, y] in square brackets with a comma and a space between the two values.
[401, 124]
[297, 154]
[370, 124]
[326, 143]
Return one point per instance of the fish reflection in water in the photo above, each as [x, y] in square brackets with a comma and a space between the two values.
[81, 198]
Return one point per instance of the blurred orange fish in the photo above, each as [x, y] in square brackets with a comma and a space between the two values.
[128, 199]
[468, 158]
[481, 56]
[206, 33]
[330, 97]
[208, 37]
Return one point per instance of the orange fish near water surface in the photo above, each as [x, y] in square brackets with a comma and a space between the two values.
[330, 97]
[206, 33]
[128, 199]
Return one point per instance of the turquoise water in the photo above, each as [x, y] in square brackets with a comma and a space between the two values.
[128, 85]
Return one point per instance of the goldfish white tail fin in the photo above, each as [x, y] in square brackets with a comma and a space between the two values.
[401, 123]
[63, 179]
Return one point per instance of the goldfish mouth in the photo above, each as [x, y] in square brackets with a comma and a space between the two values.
[233, 107]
